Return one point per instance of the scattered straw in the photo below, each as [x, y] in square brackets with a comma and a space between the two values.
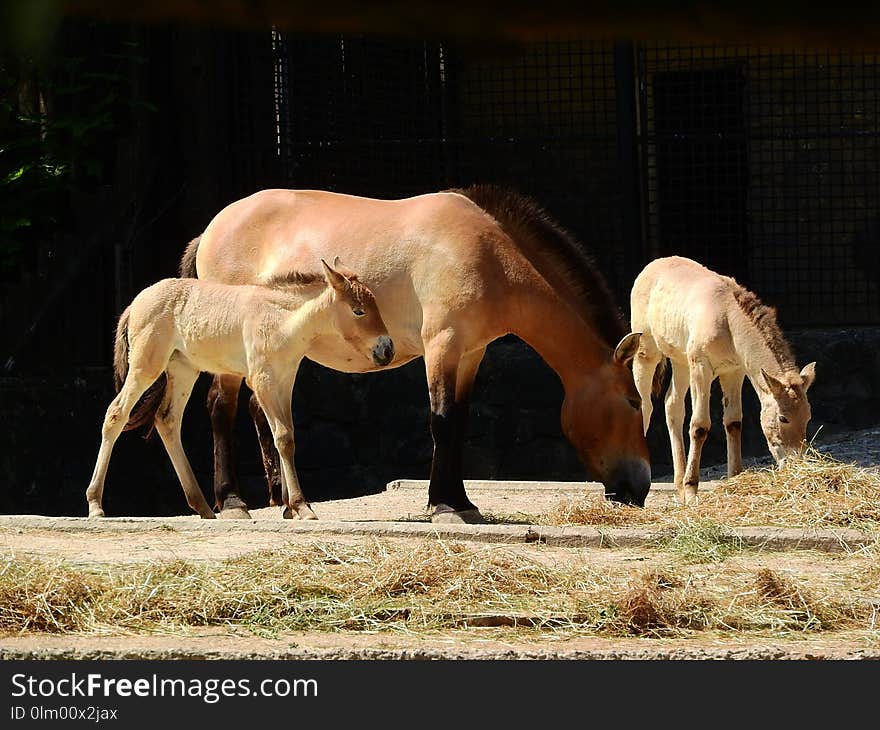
[375, 586]
[813, 491]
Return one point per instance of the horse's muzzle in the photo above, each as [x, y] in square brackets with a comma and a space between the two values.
[383, 350]
[630, 483]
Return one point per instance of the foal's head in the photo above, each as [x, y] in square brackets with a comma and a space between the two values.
[601, 416]
[356, 316]
[785, 411]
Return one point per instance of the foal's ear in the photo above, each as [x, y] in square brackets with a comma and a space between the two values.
[809, 375]
[341, 268]
[333, 277]
[627, 348]
[777, 387]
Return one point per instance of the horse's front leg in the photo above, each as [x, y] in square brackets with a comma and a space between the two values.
[222, 404]
[274, 395]
[450, 377]
[644, 365]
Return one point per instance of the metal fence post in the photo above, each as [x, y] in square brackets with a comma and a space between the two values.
[628, 160]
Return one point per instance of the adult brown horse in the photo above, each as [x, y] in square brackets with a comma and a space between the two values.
[451, 271]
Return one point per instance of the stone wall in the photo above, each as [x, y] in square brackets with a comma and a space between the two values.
[357, 432]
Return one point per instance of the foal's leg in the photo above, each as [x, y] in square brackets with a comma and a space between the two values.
[731, 388]
[181, 378]
[644, 364]
[136, 383]
[701, 383]
[443, 362]
[268, 451]
[678, 388]
[274, 393]
[222, 404]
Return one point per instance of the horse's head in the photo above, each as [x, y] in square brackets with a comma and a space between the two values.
[601, 416]
[785, 411]
[356, 316]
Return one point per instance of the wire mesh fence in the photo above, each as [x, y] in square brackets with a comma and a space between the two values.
[766, 165]
[760, 163]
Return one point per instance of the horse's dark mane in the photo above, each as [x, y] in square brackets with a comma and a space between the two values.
[764, 319]
[293, 278]
[543, 241]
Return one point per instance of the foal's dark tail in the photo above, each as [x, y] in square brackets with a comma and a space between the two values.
[144, 411]
[659, 377]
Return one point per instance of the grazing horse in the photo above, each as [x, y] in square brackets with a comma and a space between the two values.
[708, 326]
[180, 327]
[451, 271]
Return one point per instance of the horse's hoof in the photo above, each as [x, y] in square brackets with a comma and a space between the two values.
[303, 512]
[208, 516]
[236, 513]
[234, 508]
[444, 516]
[96, 513]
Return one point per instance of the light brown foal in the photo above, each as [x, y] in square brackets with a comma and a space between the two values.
[181, 327]
[711, 327]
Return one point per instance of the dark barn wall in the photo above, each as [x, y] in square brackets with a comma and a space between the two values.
[394, 118]
[355, 433]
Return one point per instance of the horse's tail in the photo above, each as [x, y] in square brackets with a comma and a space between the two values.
[188, 261]
[144, 411]
[659, 377]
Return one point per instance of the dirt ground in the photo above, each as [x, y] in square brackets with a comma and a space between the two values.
[111, 543]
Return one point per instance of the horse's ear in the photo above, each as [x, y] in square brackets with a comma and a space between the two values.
[777, 387]
[809, 375]
[333, 277]
[627, 348]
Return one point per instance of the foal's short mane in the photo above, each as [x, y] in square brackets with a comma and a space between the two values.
[764, 319]
[554, 252]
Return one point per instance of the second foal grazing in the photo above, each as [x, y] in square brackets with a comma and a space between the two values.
[184, 326]
[711, 327]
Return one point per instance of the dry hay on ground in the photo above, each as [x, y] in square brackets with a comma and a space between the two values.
[813, 491]
[386, 586]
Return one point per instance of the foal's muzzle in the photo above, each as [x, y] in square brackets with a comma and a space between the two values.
[383, 350]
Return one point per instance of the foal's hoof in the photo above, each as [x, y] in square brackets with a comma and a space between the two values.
[233, 509]
[444, 515]
[688, 497]
[303, 512]
[93, 513]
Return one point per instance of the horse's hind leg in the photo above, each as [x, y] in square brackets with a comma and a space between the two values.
[701, 383]
[450, 377]
[731, 388]
[269, 452]
[222, 404]
[136, 383]
[181, 378]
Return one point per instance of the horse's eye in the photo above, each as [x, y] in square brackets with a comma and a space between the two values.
[358, 312]
[782, 419]
[635, 403]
